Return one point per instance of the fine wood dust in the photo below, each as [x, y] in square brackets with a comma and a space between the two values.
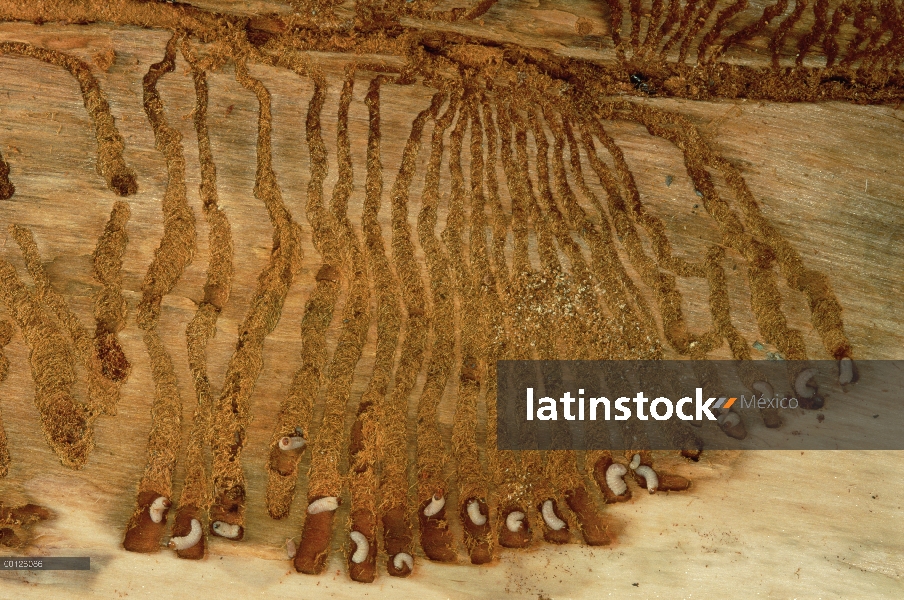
[296, 410]
[231, 413]
[196, 495]
[503, 465]
[173, 254]
[7, 189]
[472, 484]
[66, 423]
[6, 334]
[397, 534]
[555, 292]
[362, 477]
[435, 536]
[110, 306]
[110, 164]
[103, 391]
[389, 449]
[526, 104]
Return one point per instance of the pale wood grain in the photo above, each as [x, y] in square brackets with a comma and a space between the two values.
[765, 524]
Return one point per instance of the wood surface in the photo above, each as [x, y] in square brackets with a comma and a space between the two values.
[776, 524]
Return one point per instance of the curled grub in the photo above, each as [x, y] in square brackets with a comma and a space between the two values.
[435, 505]
[601, 473]
[396, 541]
[158, 508]
[475, 516]
[514, 517]
[290, 443]
[143, 534]
[614, 479]
[730, 422]
[556, 527]
[227, 510]
[847, 371]
[327, 503]
[365, 524]
[230, 531]
[477, 536]
[361, 549]
[402, 564]
[191, 539]
[802, 383]
[183, 526]
[647, 478]
[436, 537]
[806, 389]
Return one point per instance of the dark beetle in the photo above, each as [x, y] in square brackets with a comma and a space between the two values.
[639, 81]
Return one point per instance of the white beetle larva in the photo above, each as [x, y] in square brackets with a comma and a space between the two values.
[226, 530]
[291, 443]
[403, 558]
[635, 462]
[323, 505]
[361, 547]
[549, 517]
[728, 419]
[187, 541]
[614, 475]
[291, 548]
[800, 383]
[474, 513]
[845, 371]
[764, 388]
[436, 505]
[513, 522]
[158, 507]
[649, 476]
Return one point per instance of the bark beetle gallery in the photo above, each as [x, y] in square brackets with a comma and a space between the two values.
[546, 238]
